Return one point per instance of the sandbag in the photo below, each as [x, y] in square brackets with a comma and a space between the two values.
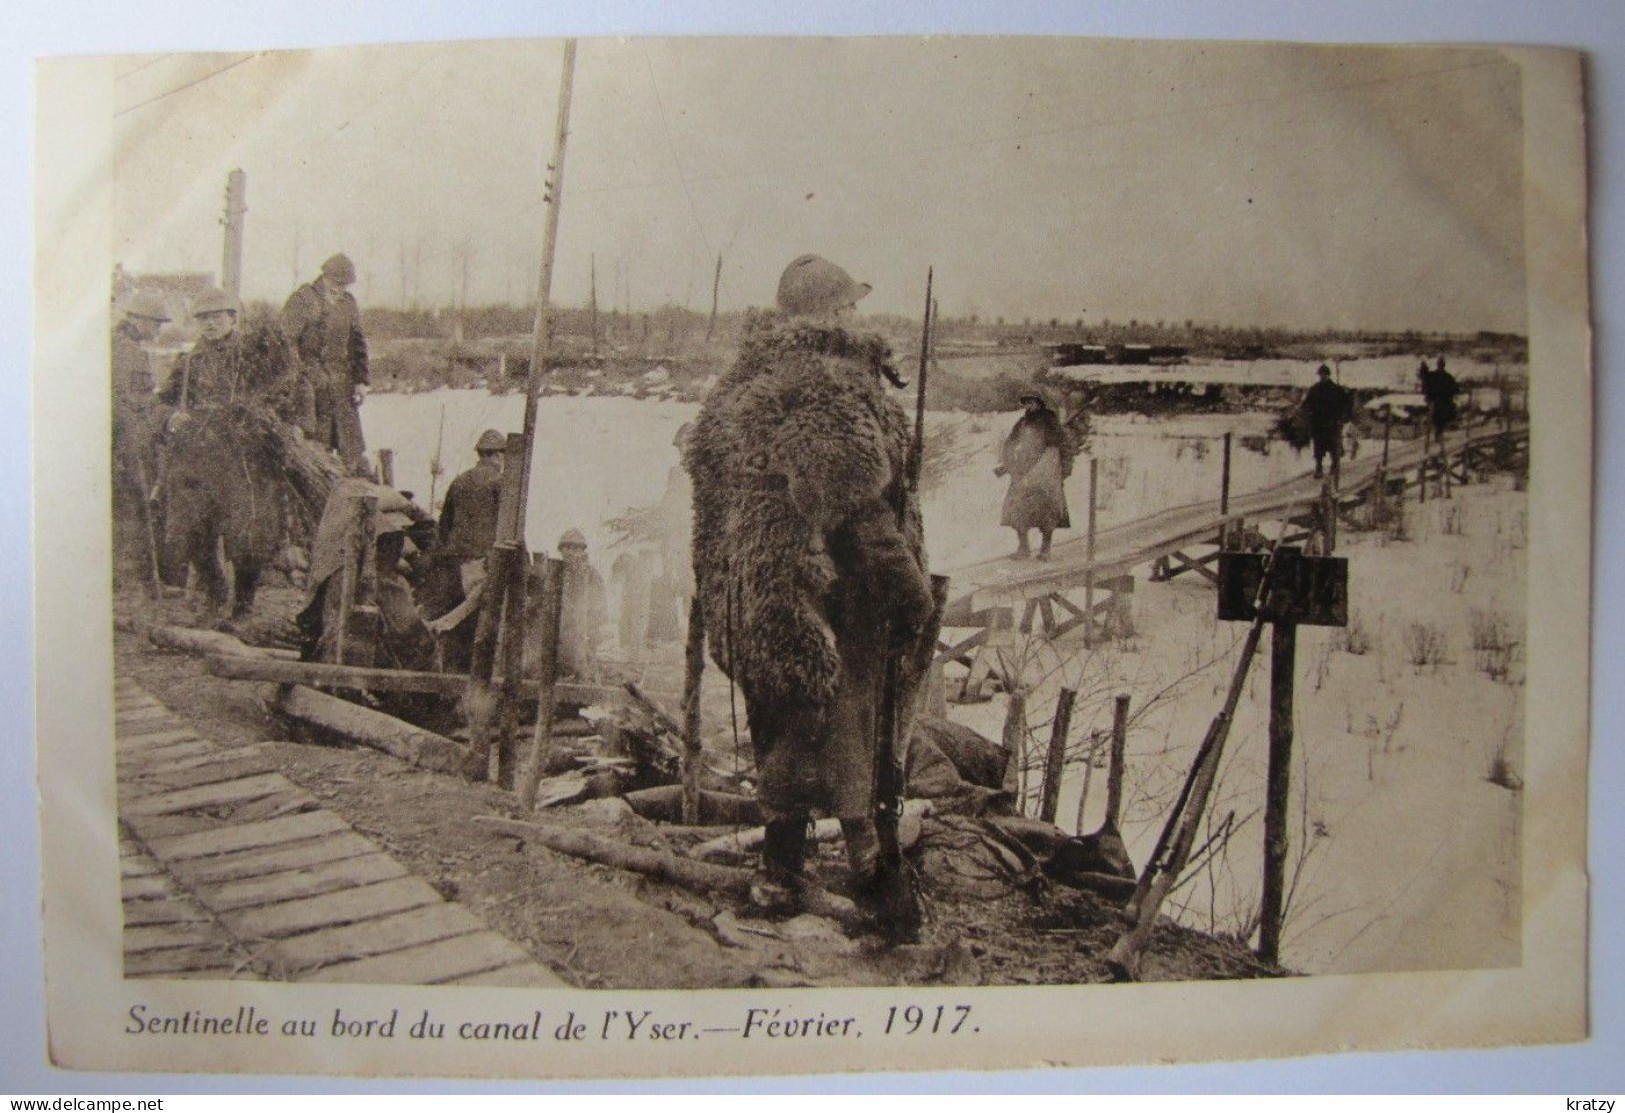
[966, 857]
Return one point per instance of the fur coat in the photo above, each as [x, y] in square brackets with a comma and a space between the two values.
[798, 460]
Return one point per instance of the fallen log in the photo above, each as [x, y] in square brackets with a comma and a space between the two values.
[213, 643]
[750, 840]
[363, 725]
[665, 805]
[721, 880]
[259, 665]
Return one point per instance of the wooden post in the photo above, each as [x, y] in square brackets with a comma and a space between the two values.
[362, 627]
[541, 739]
[347, 580]
[694, 671]
[513, 666]
[1224, 482]
[716, 285]
[1328, 516]
[1056, 759]
[1015, 745]
[386, 466]
[541, 343]
[1089, 556]
[1387, 430]
[231, 263]
[483, 701]
[1283, 655]
[1114, 774]
[593, 299]
[511, 594]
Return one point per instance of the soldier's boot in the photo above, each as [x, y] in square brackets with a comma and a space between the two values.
[776, 888]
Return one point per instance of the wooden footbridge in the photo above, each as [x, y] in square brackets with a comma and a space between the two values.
[230, 870]
[1088, 580]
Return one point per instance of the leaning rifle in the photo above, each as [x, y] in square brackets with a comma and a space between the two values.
[899, 905]
[1173, 849]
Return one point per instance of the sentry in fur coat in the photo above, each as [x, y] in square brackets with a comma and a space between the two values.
[803, 569]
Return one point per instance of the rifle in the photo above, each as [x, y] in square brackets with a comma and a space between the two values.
[899, 905]
[436, 467]
[1173, 849]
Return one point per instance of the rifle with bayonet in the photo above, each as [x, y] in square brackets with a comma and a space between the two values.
[898, 904]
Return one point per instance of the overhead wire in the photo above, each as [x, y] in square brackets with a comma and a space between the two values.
[148, 64]
[1044, 133]
[249, 57]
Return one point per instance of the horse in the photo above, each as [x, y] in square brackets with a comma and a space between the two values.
[240, 481]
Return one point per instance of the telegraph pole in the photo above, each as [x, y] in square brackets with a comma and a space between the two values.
[716, 284]
[593, 299]
[231, 264]
[541, 342]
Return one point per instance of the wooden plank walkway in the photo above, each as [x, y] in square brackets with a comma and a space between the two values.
[230, 870]
[1127, 545]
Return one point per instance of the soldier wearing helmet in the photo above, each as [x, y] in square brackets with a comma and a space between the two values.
[468, 517]
[214, 371]
[132, 366]
[812, 286]
[584, 609]
[810, 564]
[323, 323]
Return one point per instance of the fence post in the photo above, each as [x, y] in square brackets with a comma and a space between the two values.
[1056, 760]
[1089, 556]
[1015, 745]
[1114, 772]
[1283, 654]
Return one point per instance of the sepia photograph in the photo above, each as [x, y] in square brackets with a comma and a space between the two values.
[582, 518]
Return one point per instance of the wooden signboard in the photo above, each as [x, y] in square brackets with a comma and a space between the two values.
[1309, 591]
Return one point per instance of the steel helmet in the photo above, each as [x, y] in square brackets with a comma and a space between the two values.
[491, 441]
[812, 286]
[573, 537]
[213, 300]
[147, 305]
[338, 268]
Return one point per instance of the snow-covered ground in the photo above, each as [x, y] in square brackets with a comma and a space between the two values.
[1409, 853]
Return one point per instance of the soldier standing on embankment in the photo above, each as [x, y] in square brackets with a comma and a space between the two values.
[810, 560]
[323, 323]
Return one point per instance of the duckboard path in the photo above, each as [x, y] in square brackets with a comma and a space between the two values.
[230, 870]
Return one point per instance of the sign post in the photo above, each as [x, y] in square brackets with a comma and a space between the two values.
[1307, 590]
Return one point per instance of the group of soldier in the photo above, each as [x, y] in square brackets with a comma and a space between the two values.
[310, 366]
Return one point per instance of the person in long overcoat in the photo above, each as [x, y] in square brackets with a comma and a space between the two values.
[1328, 407]
[1440, 388]
[323, 323]
[809, 556]
[1037, 459]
